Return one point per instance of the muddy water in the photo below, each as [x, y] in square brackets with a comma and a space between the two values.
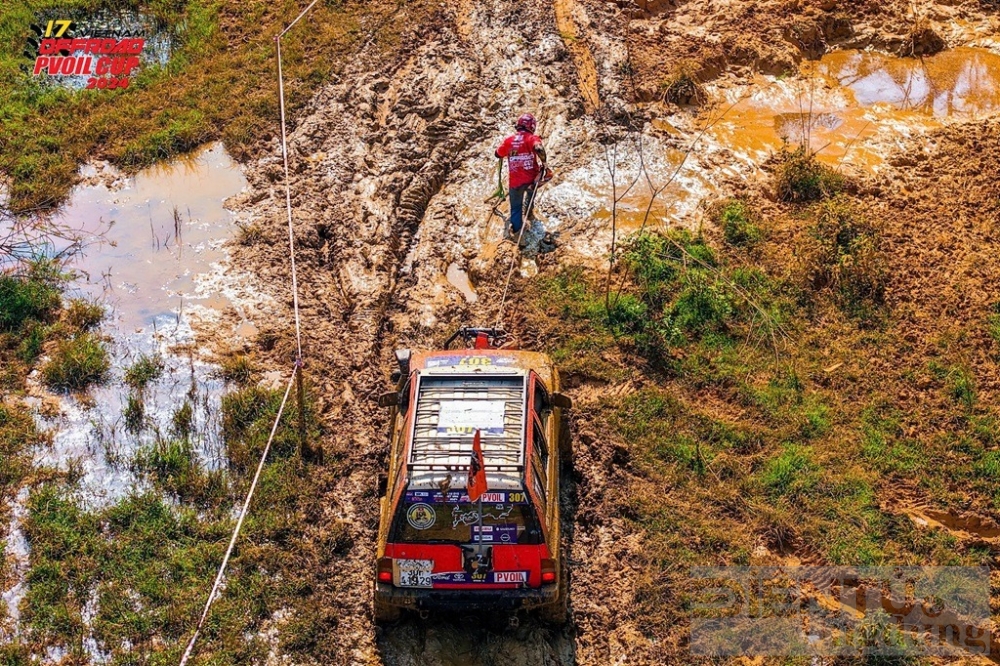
[155, 259]
[852, 106]
[459, 279]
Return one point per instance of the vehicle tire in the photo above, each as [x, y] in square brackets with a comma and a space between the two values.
[386, 613]
[565, 445]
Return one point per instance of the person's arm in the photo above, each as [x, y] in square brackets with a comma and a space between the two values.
[504, 149]
[540, 152]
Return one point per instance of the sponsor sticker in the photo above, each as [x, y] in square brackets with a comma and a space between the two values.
[486, 578]
[421, 516]
[469, 361]
[503, 534]
[460, 497]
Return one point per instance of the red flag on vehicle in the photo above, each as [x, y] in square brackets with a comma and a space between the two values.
[476, 485]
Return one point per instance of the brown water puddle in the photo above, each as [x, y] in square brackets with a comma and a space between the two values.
[850, 106]
[156, 242]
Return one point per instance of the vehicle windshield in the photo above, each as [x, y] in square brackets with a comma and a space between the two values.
[426, 516]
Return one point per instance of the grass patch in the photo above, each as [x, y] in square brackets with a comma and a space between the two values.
[76, 363]
[35, 294]
[682, 87]
[248, 415]
[144, 370]
[222, 51]
[740, 224]
[134, 414]
[83, 315]
[800, 177]
[843, 255]
[239, 369]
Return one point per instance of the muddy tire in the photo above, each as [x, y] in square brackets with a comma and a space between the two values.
[386, 613]
[565, 446]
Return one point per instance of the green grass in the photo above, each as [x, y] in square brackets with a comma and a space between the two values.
[34, 295]
[144, 370]
[843, 255]
[239, 369]
[800, 177]
[739, 222]
[223, 50]
[77, 363]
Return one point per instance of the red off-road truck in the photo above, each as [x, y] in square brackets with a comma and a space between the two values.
[437, 550]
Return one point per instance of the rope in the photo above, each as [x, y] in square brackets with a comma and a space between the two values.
[515, 255]
[288, 193]
[239, 522]
[298, 351]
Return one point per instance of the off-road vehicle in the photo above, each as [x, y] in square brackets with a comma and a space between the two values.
[437, 550]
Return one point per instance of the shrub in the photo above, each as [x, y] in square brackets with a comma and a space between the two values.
[740, 224]
[703, 305]
[657, 260]
[800, 177]
[843, 253]
[145, 370]
[77, 363]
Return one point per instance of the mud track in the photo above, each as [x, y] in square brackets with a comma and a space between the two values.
[381, 165]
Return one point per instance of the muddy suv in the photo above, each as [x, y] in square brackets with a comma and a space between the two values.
[437, 550]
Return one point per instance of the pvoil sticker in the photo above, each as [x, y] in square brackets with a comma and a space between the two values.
[421, 516]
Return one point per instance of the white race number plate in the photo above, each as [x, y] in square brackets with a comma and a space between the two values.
[413, 573]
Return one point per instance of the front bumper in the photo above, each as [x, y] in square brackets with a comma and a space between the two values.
[466, 600]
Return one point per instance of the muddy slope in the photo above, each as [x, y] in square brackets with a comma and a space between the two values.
[380, 165]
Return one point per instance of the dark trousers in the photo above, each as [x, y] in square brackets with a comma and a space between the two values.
[517, 201]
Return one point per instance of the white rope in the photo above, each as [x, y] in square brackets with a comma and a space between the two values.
[516, 255]
[288, 194]
[239, 523]
[298, 348]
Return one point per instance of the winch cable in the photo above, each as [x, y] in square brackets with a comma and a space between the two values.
[296, 368]
[239, 524]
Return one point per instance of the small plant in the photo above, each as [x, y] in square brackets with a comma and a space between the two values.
[961, 387]
[843, 253]
[682, 86]
[249, 234]
[993, 323]
[800, 177]
[134, 414]
[83, 315]
[182, 421]
[76, 363]
[739, 222]
[145, 370]
[238, 369]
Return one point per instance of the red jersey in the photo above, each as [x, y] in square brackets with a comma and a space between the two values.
[519, 149]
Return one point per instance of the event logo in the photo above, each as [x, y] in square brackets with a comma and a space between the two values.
[68, 48]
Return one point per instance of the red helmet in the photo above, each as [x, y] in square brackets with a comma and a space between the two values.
[526, 122]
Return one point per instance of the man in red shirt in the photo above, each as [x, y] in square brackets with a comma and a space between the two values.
[525, 161]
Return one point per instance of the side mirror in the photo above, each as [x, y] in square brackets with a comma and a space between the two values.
[381, 485]
[561, 401]
[390, 399]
